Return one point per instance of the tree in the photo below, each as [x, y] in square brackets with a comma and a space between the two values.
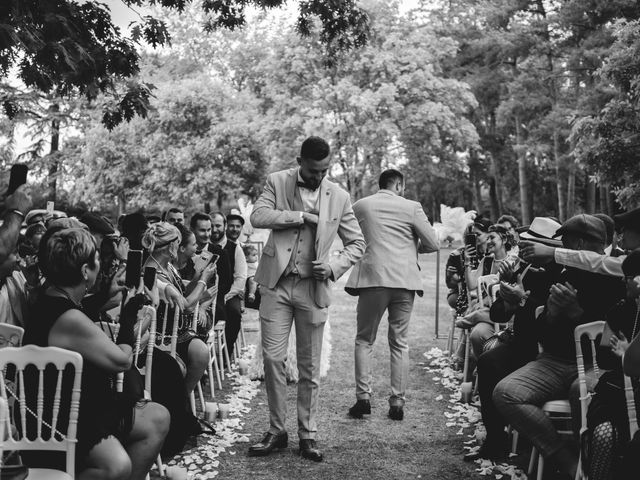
[68, 48]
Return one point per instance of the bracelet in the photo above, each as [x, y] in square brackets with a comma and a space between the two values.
[18, 212]
[203, 283]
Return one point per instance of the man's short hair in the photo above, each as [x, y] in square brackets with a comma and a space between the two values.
[235, 216]
[65, 252]
[197, 217]
[513, 221]
[249, 249]
[220, 214]
[389, 176]
[171, 210]
[315, 148]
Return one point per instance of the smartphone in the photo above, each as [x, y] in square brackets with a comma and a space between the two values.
[214, 258]
[134, 267]
[17, 177]
[471, 239]
[149, 277]
[50, 207]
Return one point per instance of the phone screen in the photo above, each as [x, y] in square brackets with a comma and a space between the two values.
[134, 267]
[17, 177]
[215, 257]
[149, 277]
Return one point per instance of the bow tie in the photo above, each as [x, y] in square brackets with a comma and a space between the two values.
[307, 186]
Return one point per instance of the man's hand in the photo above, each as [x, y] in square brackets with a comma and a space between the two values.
[513, 294]
[321, 271]
[121, 249]
[564, 299]
[19, 200]
[619, 344]
[310, 218]
[117, 282]
[536, 253]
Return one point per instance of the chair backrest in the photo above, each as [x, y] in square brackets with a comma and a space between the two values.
[631, 406]
[10, 335]
[162, 334]
[4, 417]
[591, 330]
[41, 358]
[484, 284]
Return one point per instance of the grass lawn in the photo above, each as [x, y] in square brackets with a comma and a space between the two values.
[420, 446]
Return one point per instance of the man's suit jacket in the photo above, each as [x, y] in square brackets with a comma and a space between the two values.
[396, 230]
[274, 210]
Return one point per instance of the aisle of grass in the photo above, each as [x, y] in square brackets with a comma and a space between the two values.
[421, 446]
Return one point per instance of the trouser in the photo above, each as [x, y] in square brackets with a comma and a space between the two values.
[292, 300]
[493, 366]
[233, 323]
[521, 395]
[372, 304]
[479, 334]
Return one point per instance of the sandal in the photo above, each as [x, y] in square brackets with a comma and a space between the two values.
[206, 427]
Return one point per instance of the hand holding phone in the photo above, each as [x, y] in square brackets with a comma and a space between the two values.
[134, 267]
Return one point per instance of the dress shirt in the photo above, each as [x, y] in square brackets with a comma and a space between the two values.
[239, 271]
[590, 261]
[309, 197]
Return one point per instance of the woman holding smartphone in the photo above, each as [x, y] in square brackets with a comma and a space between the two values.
[163, 242]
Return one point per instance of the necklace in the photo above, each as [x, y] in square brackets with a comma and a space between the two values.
[65, 294]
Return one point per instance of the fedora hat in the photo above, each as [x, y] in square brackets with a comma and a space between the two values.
[542, 230]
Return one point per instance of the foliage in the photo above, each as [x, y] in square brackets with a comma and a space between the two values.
[66, 48]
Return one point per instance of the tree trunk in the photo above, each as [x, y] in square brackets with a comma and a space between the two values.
[52, 177]
[525, 206]
[122, 204]
[591, 195]
[562, 199]
[495, 190]
[571, 191]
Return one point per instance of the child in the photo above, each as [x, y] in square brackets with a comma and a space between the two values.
[251, 254]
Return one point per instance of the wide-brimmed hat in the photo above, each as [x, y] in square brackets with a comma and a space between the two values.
[542, 230]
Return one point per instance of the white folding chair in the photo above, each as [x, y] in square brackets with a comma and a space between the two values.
[631, 406]
[41, 357]
[485, 282]
[561, 409]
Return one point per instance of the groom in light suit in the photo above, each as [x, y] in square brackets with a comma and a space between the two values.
[387, 278]
[305, 212]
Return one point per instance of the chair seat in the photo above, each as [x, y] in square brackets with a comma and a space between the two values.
[47, 474]
[557, 406]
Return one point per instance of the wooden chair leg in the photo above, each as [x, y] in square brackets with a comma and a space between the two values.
[192, 402]
[211, 379]
[540, 466]
[201, 396]
[215, 364]
[532, 461]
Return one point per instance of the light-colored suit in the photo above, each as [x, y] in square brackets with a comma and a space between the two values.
[299, 298]
[387, 277]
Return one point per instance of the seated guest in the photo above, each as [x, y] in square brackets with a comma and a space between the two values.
[578, 297]
[238, 267]
[32, 236]
[163, 241]
[201, 226]
[628, 225]
[173, 216]
[499, 244]
[510, 223]
[521, 292]
[118, 437]
[607, 418]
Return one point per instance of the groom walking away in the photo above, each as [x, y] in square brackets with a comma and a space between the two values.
[305, 212]
[387, 278]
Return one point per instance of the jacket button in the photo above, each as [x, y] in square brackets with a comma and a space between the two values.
[288, 249]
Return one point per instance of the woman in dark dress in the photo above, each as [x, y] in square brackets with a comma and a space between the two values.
[118, 437]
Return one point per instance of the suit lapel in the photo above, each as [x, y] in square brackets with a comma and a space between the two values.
[290, 189]
[324, 205]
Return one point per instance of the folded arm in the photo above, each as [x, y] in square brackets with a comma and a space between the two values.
[266, 215]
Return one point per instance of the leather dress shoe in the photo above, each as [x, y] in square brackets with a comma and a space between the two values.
[309, 450]
[268, 444]
[396, 412]
[360, 408]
